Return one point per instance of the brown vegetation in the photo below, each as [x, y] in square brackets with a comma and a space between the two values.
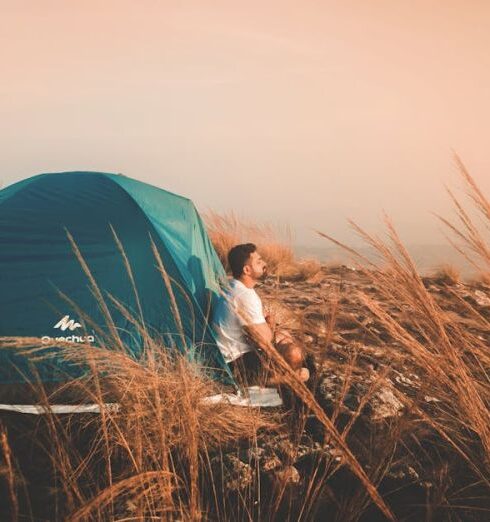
[447, 274]
[395, 422]
[227, 230]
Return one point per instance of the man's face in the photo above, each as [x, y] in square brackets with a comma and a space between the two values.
[255, 267]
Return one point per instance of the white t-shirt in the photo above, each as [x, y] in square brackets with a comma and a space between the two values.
[240, 306]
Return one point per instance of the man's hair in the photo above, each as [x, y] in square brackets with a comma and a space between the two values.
[238, 256]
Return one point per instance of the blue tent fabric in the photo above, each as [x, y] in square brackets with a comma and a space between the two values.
[37, 262]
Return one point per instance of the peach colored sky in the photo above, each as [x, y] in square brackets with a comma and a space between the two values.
[305, 112]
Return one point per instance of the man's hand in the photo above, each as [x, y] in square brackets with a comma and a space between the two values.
[270, 319]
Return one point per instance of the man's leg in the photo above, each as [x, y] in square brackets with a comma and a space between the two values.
[247, 369]
[250, 369]
[293, 354]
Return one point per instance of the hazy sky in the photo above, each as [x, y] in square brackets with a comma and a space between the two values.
[301, 112]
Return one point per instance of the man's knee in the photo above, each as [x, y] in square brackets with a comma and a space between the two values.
[294, 355]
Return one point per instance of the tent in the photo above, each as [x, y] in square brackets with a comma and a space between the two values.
[38, 267]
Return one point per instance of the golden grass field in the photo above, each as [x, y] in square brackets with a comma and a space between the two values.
[167, 455]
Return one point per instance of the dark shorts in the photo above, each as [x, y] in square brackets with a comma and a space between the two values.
[248, 369]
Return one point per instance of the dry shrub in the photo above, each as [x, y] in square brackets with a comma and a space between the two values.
[299, 271]
[227, 230]
[154, 449]
[450, 360]
[164, 431]
[274, 244]
[483, 278]
[447, 274]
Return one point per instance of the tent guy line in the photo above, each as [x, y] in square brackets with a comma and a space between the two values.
[254, 397]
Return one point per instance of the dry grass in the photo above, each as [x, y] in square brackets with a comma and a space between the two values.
[298, 270]
[8, 471]
[274, 244]
[451, 360]
[483, 278]
[162, 455]
[447, 274]
[227, 230]
[470, 239]
[154, 450]
[163, 431]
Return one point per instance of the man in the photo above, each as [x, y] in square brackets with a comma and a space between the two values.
[239, 318]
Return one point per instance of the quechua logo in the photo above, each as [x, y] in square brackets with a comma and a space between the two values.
[67, 324]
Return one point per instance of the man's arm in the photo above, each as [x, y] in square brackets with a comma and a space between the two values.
[251, 315]
[260, 331]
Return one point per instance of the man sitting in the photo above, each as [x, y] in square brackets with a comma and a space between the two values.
[239, 318]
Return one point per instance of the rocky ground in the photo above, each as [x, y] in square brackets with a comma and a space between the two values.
[358, 378]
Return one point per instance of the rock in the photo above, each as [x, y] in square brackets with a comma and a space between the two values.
[429, 398]
[337, 454]
[403, 472]
[330, 386]
[475, 297]
[385, 405]
[482, 298]
[406, 381]
[434, 289]
[309, 448]
[238, 475]
[264, 457]
[287, 476]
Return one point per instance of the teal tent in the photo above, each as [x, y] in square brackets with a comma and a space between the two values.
[38, 265]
